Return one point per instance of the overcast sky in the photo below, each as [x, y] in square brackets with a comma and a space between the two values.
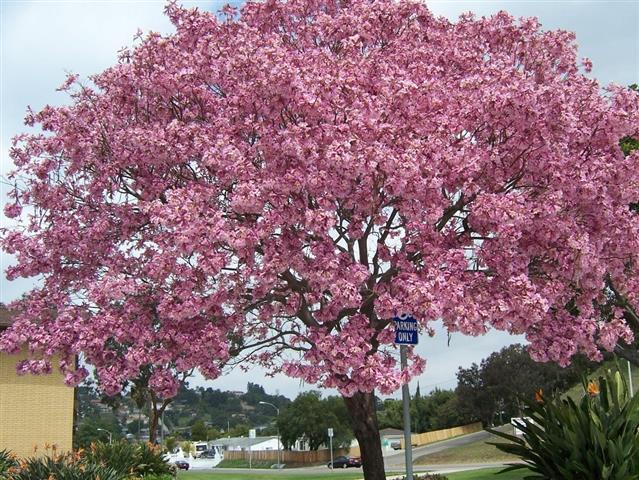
[41, 40]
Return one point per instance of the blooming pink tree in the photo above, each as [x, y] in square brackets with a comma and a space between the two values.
[284, 181]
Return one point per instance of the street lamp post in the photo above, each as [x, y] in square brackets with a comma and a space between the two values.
[278, 432]
[105, 430]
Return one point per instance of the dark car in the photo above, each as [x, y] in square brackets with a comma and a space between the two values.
[345, 462]
[182, 465]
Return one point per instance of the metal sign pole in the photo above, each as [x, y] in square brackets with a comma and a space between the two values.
[408, 444]
[330, 440]
[406, 333]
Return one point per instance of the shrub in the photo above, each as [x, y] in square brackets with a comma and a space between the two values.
[152, 461]
[118, 461]
[171, 443]
[122, 456]
[7, 462]
[62, 467]
[132, 459]
[593, 439]
[187, 448]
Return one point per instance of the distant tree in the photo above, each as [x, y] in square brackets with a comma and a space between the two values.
[134, 425]
[254, 394]
[171, 443]
[428, 409]
[187, 448]
[309, 417]
[447, 414]
[239, 430]
[88, 432]
[436, 410]
[199, 431]
[491, 391]
[390, 414]
[342, 431]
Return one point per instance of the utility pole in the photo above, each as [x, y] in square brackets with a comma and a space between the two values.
[278, 432]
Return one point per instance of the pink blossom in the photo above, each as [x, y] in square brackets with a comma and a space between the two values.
[290, 177]
[12, 210]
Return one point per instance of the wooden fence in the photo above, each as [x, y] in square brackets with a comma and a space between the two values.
[438, 435]
[287, 456]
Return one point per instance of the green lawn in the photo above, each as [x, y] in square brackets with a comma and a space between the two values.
[476, 452]
[483, 474]
[488, 474]
[338, 475]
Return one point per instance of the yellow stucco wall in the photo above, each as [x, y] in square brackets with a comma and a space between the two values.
[34, 410]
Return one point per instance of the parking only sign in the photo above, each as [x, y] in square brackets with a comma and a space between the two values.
[405, 330]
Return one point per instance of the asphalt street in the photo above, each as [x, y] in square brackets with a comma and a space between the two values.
[397, 461]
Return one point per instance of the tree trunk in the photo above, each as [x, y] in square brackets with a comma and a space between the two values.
[153, 425]
[363, 414]
[156, 414]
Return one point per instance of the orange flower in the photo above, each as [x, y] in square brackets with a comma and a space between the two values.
[593, 389]
[539, 396]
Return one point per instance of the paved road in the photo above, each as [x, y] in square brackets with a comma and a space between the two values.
[397, 461]
[296, 471]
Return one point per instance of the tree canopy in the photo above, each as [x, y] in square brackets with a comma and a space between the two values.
[278, 184]
[493, 390]
[308, 419]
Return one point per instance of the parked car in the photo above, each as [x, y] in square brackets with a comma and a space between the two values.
[207, 454]
[396, 445]
[345, 462]
[182, 465]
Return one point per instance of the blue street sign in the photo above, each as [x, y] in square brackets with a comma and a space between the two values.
[405, 330]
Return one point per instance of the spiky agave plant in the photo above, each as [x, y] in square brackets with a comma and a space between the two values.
[594, 438]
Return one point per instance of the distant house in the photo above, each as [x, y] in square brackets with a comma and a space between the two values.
[237, 444]
[35, 410]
